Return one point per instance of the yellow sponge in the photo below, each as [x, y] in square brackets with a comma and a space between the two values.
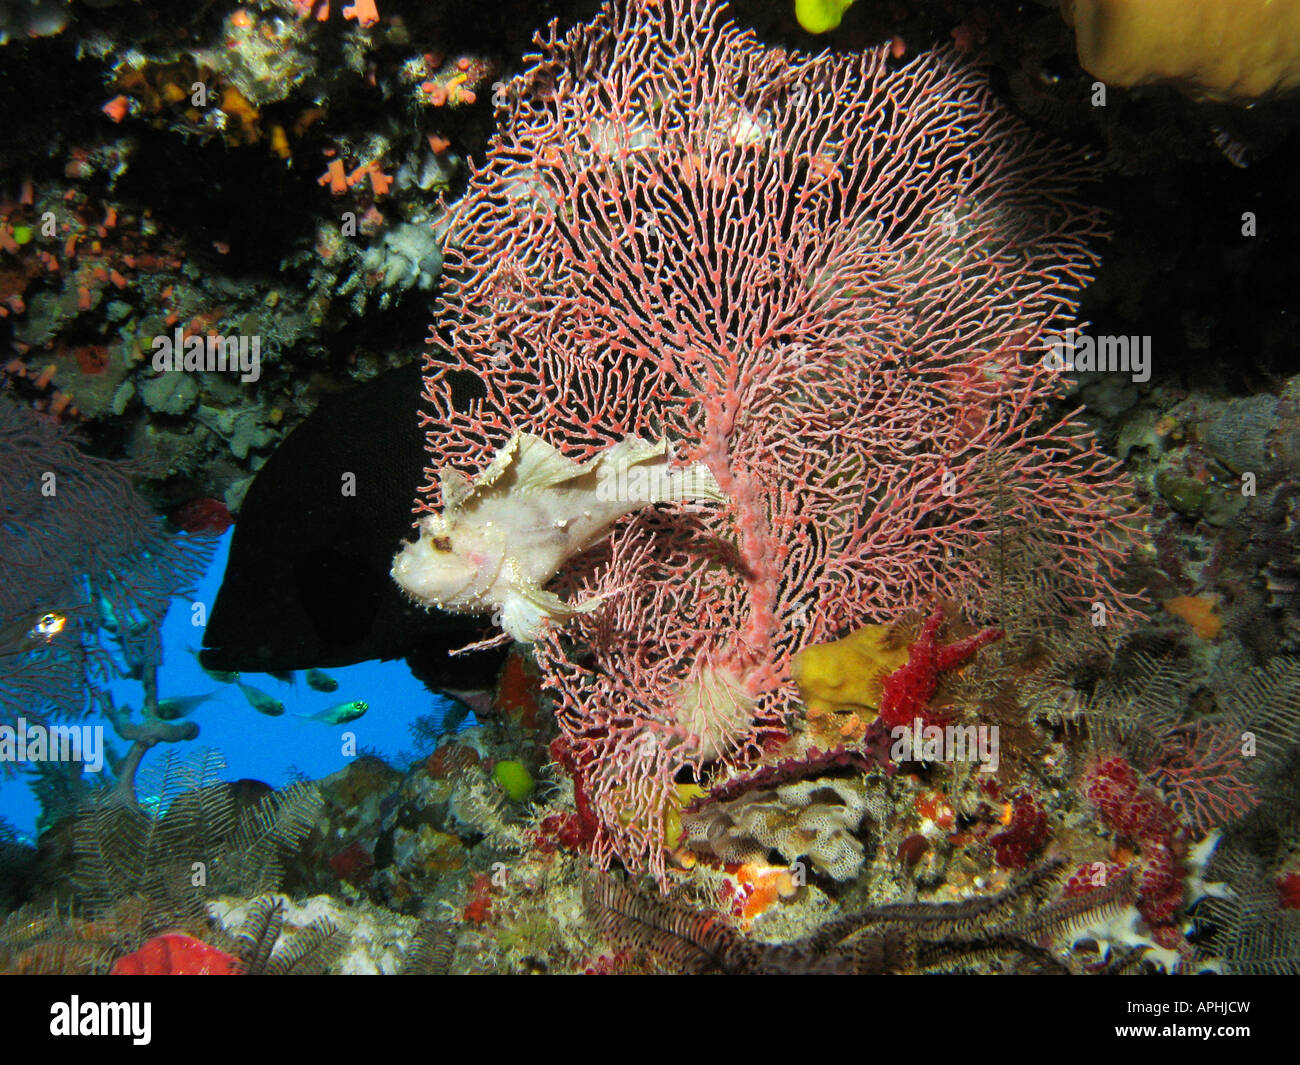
[846, 674]
[1223, 49]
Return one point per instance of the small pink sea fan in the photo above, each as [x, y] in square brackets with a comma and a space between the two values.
[831, 280]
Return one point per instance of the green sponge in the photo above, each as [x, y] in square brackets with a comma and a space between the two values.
[514, 779]
[818, 16]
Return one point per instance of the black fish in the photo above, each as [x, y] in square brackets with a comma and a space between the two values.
[308, 584]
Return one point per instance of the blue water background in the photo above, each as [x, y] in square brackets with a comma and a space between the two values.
[256, 746]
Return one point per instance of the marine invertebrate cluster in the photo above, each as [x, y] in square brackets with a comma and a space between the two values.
[449, 82]
[826, 279]
[136, 883]
[1025, 834]
[74, 266]
[364, 12]
[814, 819]
[906, 692]
[1208, 770]
[1136, 814]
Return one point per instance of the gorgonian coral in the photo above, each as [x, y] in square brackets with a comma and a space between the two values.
[828, 279]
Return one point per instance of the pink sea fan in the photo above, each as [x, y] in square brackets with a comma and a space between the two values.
[831, 279]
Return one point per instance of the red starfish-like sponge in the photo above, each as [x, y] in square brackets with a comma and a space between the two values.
[909, 689]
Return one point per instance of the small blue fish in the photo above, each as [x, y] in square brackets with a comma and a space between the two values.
[181, 706]
[114, 624]
[320, 681]
[260, 701]
[221, 676]
[338, 715]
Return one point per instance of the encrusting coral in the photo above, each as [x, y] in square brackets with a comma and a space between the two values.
[813, 819]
